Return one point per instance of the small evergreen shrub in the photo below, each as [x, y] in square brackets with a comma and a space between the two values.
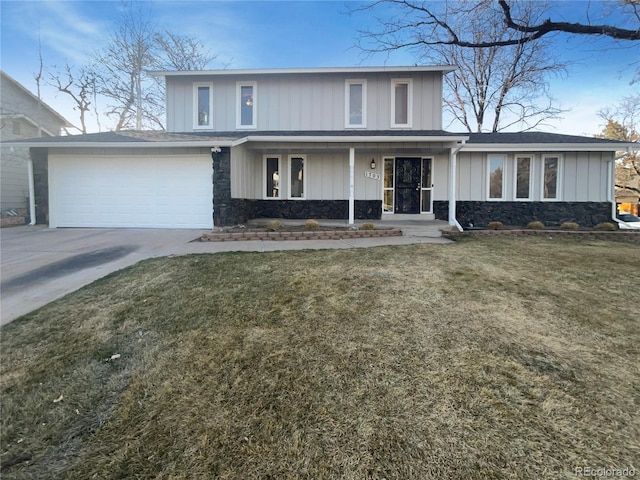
[274, 225]
[311, 225]
[495, 226]
[569, 226]
[537, 225]
[605, 227]
[367, 226]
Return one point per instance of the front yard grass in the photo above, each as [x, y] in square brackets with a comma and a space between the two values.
[486, 358]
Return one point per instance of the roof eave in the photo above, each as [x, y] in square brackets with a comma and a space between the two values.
[547, 147]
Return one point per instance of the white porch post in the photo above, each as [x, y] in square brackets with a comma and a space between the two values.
[32, 192]
[352, 180]
[452, 187]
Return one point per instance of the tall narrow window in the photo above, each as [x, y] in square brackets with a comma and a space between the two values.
[523, 178]
[203, 102]
[401, 98]
[426, 183]
[246, 111]
[272, 177]
[550, 177]
[355, 115]
[496, 177]
[388, 185]
[296, 175]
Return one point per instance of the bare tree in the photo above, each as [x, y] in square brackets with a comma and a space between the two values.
[80, 86]
[623, 123]
[494, 88]
[180, 52]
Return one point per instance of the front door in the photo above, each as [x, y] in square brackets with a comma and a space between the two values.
[407, 185]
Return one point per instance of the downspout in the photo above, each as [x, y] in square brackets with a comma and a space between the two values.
[352, 162]
[611, 187]
[453, 159]
[32, 200]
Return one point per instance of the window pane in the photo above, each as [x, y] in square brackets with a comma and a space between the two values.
[551, 177]
[426, 173]
[246, 105]
[355, 104]
[495, 177]
[401, 104]
[273, 178]
[297, 177]
[388, 201]
[388, 173]
[426, 201]
[523, 177]
[203, 106]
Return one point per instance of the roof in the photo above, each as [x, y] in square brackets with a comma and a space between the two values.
[312, 70]
[524, 141]
[7, 77]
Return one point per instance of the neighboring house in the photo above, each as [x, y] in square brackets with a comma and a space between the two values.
[346, 143]
[22, 115]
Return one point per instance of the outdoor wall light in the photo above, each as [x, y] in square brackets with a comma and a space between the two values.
[373, 164]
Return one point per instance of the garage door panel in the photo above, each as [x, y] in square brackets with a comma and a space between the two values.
[132, 191]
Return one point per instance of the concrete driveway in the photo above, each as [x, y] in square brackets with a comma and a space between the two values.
[39, 264]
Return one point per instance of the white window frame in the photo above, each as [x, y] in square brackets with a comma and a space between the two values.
[428, 188]
[264, 177]
[515, 178]
[196, 86]
[347, 108]
[305, 174]
[254, 118]
[558, 196]
[391, 189]
[409, 83]
[504, 176]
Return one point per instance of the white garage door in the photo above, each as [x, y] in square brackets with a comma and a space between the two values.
[161, 191]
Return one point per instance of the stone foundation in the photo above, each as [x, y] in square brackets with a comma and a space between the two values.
[479, 214]
[243, 209]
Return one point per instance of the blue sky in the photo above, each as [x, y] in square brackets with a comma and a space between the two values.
[273, 34]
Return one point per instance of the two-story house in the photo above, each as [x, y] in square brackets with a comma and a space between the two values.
[339, 143]
[22, 116]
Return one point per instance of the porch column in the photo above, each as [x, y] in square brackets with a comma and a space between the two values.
[352, 163]
[453, 158]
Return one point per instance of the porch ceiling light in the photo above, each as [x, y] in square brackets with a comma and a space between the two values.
[373, 164]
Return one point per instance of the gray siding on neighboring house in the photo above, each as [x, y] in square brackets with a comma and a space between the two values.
[304, 101]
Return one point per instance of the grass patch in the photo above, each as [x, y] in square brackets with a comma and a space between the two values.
[487, 358]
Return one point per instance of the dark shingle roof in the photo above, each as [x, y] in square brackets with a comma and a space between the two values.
[534, 137]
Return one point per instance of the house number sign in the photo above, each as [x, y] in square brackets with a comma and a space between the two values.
[375, 176]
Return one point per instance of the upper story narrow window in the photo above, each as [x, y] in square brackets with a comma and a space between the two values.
[401, 103]
[203, 105]
[356, 103]
[495, 178]
[246, 105]
[551, 177]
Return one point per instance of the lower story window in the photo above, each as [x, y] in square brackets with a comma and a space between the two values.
[272, 177]
[496, 177]
[550, 177]
[297, 174]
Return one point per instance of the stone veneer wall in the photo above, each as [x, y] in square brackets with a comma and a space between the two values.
[244, 209]
[222, 202]
[40, 158]
[586, 214]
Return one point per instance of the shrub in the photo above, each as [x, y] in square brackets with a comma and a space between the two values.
[605, 226]
[537, 225]
[274, 225]
[311, 225]
[367, 226]
[495, 226]
[569, 226]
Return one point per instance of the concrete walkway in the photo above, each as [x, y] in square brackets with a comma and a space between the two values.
[39, 264]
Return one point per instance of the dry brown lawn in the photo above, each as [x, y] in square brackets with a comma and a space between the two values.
[487, 358]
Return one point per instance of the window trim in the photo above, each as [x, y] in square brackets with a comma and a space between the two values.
[254, 117]
[305, 174]
[558, 196]
[488, 177]
[409, 83]
[391, 189]
[264, 177]
[196, 87]
[515, 178]
[347, 96]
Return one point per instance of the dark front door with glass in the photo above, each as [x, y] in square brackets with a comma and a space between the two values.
[407, 185]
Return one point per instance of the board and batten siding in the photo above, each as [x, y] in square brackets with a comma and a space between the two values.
[583, 176]
[304, 102]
